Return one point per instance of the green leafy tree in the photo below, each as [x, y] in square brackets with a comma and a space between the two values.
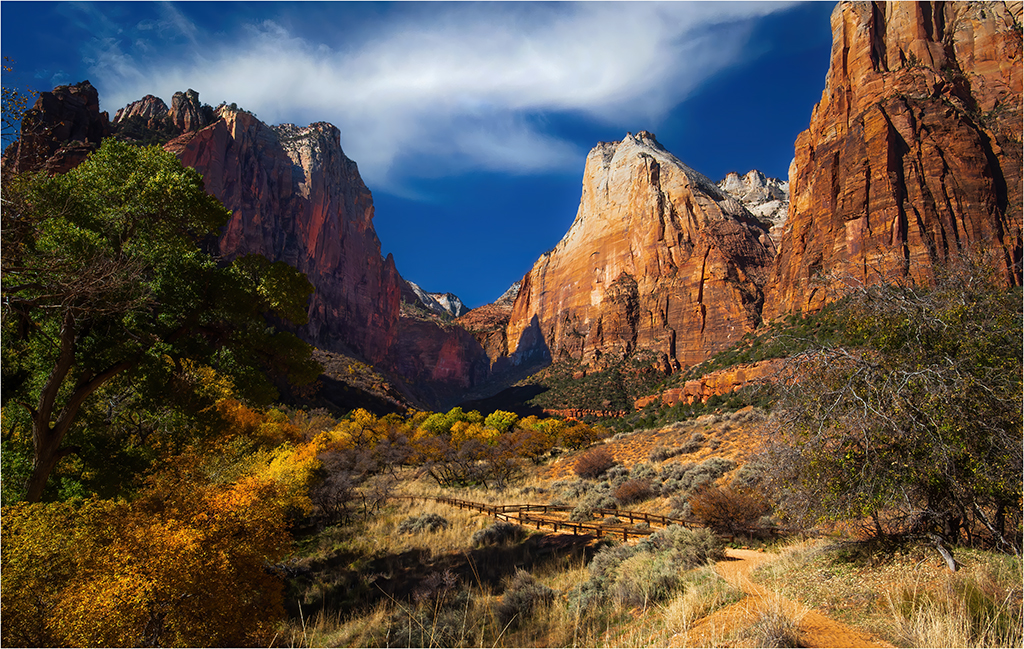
[913, 421]
[106, 279]
[501, 420]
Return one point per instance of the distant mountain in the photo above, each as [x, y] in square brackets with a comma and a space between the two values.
[440, 303]
[766, 198]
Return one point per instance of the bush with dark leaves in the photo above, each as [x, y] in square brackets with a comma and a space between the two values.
[423, 522]
[500, 533]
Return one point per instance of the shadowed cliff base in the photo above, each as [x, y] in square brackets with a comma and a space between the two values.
[517, 399]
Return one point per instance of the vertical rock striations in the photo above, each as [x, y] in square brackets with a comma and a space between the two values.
[913, 153]
[297, 198]
[658, 259]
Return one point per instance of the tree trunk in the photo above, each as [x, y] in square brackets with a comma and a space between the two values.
[42, 465]
[946, 554]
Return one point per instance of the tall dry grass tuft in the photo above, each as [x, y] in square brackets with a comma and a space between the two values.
[775, 624]
[705, 592]
[978, 606]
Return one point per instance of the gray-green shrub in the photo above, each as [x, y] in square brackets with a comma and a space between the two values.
[423, 522]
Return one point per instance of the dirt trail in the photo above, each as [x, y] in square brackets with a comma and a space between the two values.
[815, 630]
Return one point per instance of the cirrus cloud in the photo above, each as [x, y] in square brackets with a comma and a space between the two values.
[441, 89]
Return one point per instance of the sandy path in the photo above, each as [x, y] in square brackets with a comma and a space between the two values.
[815, 630]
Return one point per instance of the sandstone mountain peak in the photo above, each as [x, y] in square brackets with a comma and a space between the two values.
[657, 259]
[186, 114]
[297, 198]
[509, 296]
[63, 127]
[444, 304]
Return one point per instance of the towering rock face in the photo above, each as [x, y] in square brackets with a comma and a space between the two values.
[59, 131]
[657, 259]
[297, 198]
[913, 153]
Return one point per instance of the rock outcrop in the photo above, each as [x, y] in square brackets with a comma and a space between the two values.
[443, 304]
[913, 153]
[718, 383]
[59, 131]
[764, 197]
[187, 114]
[450, 303]
[658, 259]
[489, 323]
[150, 111]
[150, 115]
[296, 197]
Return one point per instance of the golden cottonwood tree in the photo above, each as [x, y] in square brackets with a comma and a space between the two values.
[186, 564]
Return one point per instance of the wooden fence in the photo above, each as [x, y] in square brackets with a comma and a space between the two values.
[523, 514]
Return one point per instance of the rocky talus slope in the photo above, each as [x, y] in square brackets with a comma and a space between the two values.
[659, 258]
[913, 153]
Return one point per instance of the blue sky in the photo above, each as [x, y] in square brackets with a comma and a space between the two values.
[470, 122]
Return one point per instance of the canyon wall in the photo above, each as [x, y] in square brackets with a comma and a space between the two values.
[295, 197]
[659, 259]
[912, 155]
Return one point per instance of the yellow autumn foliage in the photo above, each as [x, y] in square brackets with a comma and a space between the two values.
[184, 564]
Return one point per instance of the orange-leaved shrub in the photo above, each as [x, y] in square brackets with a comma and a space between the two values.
[725, 510]
[594, 462]
[633, 491]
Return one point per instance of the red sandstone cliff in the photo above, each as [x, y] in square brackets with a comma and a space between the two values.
[657, 259]
[297, 198]
[913, 153]
[719, 383]
[489, 323]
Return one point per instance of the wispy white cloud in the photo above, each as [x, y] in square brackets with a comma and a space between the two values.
[457, 85]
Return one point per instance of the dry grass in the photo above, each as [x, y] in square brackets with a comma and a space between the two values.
[707, 593]
[908, 598]
[979, 606]
[774, 625]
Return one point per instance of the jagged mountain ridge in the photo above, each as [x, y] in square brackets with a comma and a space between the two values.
[443, 304]
[914, 151]
[766, 198]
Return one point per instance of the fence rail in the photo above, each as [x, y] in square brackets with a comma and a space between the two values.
[521, 514]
